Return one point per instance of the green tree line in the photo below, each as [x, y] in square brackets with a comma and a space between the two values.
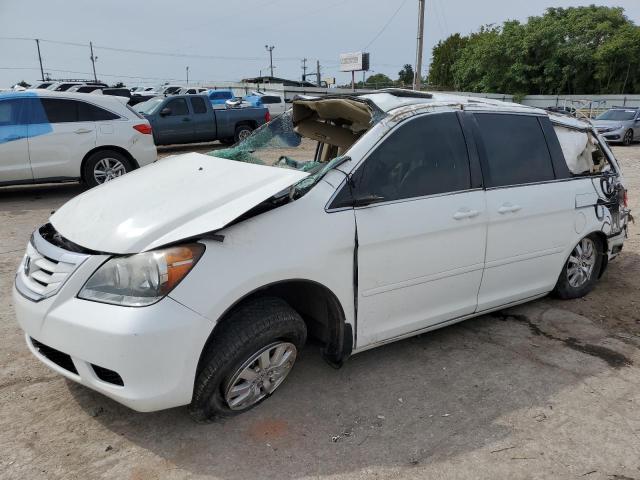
[577, 50]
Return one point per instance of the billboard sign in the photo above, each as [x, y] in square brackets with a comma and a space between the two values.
[354, 62]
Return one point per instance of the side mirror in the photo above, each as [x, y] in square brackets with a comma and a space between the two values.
[165, 111]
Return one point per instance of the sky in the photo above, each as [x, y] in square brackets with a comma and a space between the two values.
[225, 41]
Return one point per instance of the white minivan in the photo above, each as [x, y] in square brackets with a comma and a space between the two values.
[355, 220]
[48, 136]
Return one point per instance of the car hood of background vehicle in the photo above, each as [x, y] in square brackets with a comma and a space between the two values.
[607, 123]
[173, 199]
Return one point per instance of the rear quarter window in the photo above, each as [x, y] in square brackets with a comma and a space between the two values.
[515, 149]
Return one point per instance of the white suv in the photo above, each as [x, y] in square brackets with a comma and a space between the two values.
[59, 136]
[394, 214]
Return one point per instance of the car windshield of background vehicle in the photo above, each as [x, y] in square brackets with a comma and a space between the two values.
[620, 115]
[149, 107]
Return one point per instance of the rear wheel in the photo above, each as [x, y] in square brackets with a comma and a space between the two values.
[242, 132]
[248, 359]
[628, 138]
[104, 166]
[582, 269]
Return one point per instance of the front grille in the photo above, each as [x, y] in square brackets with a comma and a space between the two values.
[56, 356]
[45, 267]
[107, 375]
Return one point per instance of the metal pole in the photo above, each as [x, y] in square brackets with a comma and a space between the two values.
[417, 78]
[187, 75]
[93, 62]
[270, 50]
[40, 60]
[353, 80]
[318, 72]
[304, 69]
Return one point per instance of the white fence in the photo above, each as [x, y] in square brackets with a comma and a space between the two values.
[581, 102]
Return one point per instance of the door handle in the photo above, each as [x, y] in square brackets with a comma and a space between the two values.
[509, 208]
[465, 213]
[83, 130]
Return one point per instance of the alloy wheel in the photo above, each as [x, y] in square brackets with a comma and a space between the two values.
[628, 138]
[108, 169]
[260, 375]
[582, 262]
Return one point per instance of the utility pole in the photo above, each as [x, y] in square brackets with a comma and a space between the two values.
[40, 60]
[187, 75]
[270, 50]
[318, 71]
[304, 69]
[417, 75]
[93, 62]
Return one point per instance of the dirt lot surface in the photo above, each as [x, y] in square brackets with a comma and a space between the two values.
[548, 390]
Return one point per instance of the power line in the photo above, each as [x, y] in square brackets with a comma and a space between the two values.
[385, 25]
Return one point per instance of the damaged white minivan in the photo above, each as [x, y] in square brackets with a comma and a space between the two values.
[354, 220]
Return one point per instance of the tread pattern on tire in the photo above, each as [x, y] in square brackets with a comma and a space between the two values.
[252, 325]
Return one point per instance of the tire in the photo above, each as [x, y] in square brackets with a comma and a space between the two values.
[259, 326]
[242, 131]
[109, 163]
[579, 275]
[628, 138]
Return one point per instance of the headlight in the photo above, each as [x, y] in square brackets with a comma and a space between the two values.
[142, 279]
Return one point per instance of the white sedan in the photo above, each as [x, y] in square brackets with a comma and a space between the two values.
[60, 136]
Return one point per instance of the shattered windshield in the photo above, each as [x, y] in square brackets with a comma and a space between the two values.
[275, 144]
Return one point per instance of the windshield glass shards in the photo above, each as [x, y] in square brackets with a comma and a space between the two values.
[312, 137]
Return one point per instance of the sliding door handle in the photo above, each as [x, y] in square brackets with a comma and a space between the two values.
[509, 208]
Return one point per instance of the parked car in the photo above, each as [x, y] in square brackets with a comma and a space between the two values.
[169, 89]
[219, 97]
[275, 103]
[60, 136]
[192, 91]
[84, 88]
[64, 86]
[191, 118]
[41, 85]
[117, 92]
[407, 212]
[619, 124]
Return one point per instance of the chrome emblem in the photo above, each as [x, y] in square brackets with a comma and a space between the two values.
[27, 265]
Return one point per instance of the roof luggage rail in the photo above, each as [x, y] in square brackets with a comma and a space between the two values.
[402, 92]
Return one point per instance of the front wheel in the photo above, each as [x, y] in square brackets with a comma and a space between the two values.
[104, 166]
[248, 359]
[582, 269]
[628, 138]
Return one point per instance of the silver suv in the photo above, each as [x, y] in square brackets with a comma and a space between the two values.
[619, 124]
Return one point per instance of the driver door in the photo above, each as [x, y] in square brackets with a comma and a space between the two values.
[176, 126]
[421, 245]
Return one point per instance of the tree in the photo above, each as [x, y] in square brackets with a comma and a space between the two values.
[379, 80]
[23, 84]
[445, 54]
[405, 76]
[578, 50]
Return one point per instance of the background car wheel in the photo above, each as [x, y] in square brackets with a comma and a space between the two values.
[582, 269]
[104, 166]
[247, 359]
[242, 132]
[628, 138]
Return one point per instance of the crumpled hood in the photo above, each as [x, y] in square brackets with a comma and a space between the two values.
[173, 199]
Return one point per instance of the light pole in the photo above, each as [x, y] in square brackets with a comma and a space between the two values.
[270, 50]
[187, 75]
[417, 79]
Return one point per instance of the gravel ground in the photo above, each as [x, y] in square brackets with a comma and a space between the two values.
[546, 390]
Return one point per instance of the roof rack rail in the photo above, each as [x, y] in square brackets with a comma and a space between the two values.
[403, 92]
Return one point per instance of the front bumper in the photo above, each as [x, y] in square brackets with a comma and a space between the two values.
[154, 350]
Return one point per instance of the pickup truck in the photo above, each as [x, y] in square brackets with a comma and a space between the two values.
[192, 119]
